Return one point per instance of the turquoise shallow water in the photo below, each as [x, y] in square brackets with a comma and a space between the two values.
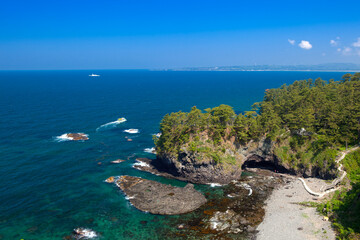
[48, 188]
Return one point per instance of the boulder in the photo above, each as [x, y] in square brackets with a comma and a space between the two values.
[110, 180]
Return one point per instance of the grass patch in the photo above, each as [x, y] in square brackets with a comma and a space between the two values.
[309, 204]
[304, 215]
[229, 159]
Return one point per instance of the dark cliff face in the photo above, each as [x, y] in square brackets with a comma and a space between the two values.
[186, 164]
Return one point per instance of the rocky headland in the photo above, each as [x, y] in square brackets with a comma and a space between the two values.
[297, 129]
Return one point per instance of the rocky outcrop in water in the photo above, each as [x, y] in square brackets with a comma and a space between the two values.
[158, 198]
[77, 136]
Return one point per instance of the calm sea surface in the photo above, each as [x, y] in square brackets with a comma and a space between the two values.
[49, 187]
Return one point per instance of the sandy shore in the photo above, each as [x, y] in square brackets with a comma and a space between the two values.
[284, 219]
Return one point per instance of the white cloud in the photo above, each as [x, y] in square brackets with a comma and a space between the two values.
[347, 51]
[334, 43]
[305, 45]
[357, 44]
[292, 42]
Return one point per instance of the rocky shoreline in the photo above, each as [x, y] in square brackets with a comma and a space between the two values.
[153, 166]
[232, 212]
[248, 208]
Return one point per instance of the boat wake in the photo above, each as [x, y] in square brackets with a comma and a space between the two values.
[132, 130]
[111, 124]
[94, 75]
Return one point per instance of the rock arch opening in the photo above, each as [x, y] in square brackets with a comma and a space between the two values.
[257, 162]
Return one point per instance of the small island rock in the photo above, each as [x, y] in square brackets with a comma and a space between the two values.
[77, 136]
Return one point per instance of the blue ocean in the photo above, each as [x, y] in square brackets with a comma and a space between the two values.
[48, 187]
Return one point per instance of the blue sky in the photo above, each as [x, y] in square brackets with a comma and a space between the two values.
[128, 34]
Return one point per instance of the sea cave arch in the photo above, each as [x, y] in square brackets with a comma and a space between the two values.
[255, 161]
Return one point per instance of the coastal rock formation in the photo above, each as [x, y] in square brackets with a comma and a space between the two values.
[186, 164]
[110, 179]
[201, 168]
[77, 136]
[158, 198]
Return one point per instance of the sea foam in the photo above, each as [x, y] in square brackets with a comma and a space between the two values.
[141, 164]
[65, 137]
[215, 184]
[150, 150]
[85, 233]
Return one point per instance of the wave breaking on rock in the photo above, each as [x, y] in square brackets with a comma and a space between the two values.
[72, 137]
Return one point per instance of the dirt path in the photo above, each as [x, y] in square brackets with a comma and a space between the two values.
[326, 189]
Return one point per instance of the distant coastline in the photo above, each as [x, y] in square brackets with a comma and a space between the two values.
[192, 70]
[328, 67]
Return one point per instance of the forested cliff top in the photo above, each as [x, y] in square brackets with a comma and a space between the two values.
[306, 122]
